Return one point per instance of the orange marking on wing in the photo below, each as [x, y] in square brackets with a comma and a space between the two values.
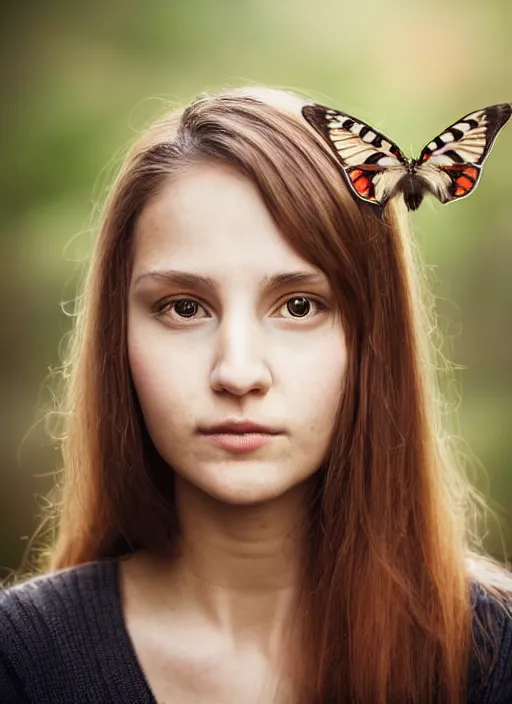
[460, 191]
[354, 175]
[471, 172]
[362, 185]
[464, 182]
[426, 156]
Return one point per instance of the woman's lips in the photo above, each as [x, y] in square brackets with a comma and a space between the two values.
[239, 442]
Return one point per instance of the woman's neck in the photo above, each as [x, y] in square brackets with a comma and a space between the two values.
[239, 566]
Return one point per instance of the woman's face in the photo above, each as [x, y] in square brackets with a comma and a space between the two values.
[232, 348]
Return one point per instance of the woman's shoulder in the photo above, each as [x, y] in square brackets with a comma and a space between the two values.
[41, 608]
[492, 608]
[56, 591]
[40, 614]
[490, 679]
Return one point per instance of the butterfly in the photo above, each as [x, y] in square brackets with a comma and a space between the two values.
[376, 169]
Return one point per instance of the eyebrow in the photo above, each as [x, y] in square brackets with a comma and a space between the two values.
[206, 283]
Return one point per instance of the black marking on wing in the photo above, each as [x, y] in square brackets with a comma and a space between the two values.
[457, 134]
[452, 154]
[374, 158]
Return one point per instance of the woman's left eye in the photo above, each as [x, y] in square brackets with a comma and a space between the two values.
[186, 308]
[302, 305]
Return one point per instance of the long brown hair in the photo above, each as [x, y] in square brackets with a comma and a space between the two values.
[391, 554]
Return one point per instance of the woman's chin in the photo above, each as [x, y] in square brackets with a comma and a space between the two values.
[243, 485]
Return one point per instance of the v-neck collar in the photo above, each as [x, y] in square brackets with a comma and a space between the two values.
[121, 667]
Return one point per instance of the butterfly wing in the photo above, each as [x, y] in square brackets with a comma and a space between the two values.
[450, 164]
[373, 165]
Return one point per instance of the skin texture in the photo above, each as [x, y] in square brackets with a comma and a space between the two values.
[223, 605]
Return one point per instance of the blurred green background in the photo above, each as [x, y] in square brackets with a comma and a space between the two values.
[81, 80]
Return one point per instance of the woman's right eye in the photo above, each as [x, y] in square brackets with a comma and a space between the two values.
[184, 307]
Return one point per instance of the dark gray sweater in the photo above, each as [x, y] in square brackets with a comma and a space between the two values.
[63, 640]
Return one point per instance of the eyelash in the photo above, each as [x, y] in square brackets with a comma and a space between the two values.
[166, 303]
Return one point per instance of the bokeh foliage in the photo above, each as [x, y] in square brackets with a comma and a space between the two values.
[80, 81]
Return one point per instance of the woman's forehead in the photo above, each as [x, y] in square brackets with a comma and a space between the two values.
[211, 217]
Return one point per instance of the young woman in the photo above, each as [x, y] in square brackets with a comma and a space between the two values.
[259, 503]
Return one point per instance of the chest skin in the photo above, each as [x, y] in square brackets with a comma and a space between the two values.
[206, 678]
[184, 661]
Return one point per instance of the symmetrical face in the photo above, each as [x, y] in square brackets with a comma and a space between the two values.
[234, 348]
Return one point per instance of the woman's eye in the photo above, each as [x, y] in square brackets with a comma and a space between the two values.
[187, 308]
[300, 306]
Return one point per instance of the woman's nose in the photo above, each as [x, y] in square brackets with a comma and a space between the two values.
[241, 363]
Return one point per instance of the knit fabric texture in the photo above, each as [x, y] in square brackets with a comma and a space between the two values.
[63, 640]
